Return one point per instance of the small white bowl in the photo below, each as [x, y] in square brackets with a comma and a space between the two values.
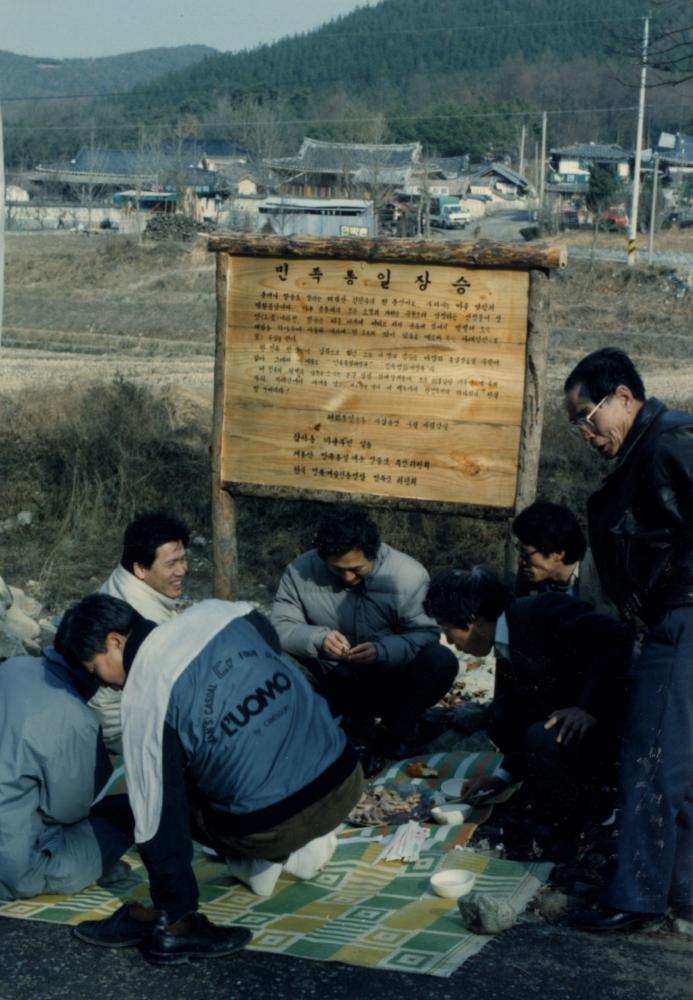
[452, 788]
[452, 883]
[452, 812]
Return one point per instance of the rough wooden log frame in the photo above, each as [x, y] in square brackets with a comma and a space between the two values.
[533, 405]
[224, 545]
[472, 253]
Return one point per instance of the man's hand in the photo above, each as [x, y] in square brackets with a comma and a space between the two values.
[574, 724]
[485, 785]
[335, 645]
[363, 654]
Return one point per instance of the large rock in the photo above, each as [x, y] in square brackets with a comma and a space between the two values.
[20, 624]
[10, 645]
[486, 915]
[5, 597]
[29, 605]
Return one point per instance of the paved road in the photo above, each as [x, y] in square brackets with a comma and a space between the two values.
[533, 961]
[505, 227]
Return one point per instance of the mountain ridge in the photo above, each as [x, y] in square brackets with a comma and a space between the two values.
[34, 77]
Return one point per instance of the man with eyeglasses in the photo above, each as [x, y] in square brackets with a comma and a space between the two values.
[641, 535]
[552, 555]
[550, 545]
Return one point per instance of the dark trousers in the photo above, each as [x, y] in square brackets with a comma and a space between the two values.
[654, 862]
[566, 780]
[278, 842]
[398, 696]
[113, 824]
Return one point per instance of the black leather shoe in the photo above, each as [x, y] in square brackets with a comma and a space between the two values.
[203, 940]
[119, 931]
[605, 921]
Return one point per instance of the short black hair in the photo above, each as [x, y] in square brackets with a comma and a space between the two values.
[459, 596]
[551, 527]
[345, 528]
[146, 533]
[601, 373]
[84, 627]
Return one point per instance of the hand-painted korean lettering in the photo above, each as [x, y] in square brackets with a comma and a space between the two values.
[461, 285]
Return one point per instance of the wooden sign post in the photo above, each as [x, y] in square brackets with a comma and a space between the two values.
[377, 371]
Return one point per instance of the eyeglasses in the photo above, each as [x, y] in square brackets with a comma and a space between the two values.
[524, 554]
[585, 425]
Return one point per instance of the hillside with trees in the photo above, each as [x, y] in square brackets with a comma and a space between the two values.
[459, 75]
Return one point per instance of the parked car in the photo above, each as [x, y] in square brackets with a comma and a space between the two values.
[615, 219]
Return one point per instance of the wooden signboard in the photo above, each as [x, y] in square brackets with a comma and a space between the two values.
[383, 371]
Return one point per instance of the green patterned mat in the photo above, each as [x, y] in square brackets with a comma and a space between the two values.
[379, 915]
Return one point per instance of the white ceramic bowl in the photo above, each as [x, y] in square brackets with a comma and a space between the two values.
[452, 883]
[452, 788]
[452, 812]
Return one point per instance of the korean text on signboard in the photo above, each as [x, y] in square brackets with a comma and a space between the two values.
[397, 380]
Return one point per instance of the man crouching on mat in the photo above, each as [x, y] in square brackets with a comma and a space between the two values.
[224, 741]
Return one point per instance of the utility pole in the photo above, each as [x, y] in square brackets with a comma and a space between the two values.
[521, 168]
[2, 223]
[542, 164]
[91, 171]
[138, 184]
[633, 224]
[653, 208]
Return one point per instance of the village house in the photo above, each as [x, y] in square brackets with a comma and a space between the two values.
[497, 182]
[195, 177]
[569, 168]
[349, 169]
[674, 157]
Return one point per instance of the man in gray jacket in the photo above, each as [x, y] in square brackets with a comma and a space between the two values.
[351, 611]
[52, 765]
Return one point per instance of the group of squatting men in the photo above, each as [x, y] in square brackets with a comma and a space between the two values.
[240, 732]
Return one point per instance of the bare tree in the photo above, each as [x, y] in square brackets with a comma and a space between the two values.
[670, 56]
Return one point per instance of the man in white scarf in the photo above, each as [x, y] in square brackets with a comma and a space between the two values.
[149, 578]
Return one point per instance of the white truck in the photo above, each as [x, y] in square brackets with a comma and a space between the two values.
[448, 213]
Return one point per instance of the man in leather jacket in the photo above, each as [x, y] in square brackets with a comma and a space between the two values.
[641, 535]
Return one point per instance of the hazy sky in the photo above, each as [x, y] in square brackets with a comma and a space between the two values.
[64, 29]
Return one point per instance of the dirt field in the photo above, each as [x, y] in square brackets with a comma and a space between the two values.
[85, 310]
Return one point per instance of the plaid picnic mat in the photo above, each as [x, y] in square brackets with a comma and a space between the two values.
[356, 910]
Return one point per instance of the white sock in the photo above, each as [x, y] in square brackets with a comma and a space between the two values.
[307, 861]
[260, 876]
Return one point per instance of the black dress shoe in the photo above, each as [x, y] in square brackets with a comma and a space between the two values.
[119, 931]
[605, 921]
[203, 940]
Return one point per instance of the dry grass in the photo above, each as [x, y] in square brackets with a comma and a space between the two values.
[666, 240]
[84, 462]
